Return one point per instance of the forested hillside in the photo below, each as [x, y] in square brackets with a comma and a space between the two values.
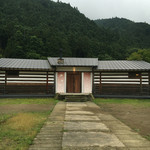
[39, 28]
[136, 35]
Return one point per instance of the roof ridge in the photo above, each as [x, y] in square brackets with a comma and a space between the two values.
[74, 61]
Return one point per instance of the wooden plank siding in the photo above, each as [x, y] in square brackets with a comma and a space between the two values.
[119, 83]
[28, 82]
[3, 82]
[149, 83]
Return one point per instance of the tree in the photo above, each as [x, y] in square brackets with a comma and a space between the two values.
[141, 54]
[135, 56]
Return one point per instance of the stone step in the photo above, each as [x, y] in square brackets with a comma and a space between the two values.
[52, 129]
[51, 124]
[50, 146]
[52, 133]
[93, 148]
[48, 138]
[76, 98]
[54, 148]
[47, 141]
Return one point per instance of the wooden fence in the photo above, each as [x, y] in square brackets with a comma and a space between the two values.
[27, 82]
[119, 83]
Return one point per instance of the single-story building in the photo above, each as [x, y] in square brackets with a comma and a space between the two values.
[74, 75]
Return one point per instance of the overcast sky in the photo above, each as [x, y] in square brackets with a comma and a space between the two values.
[135, 10]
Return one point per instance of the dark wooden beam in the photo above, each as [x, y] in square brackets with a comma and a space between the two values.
[92, 80]
[47, 82]
[149, 83]
[140, 83]
[149, 78]
[100, 82]
[55, 80]
[5, 82]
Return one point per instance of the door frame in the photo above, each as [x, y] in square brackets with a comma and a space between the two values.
[80, 80]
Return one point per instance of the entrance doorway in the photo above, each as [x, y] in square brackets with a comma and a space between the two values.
[73, 82]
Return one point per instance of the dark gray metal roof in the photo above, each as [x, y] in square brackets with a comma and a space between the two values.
[24, 64]
[45, 65]
[83, 62]
[123, 65]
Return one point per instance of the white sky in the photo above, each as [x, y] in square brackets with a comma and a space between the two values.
[135, 10]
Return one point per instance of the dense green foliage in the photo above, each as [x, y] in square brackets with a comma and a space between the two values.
[135, 34]
[39, 28]
[132, 34]
[141, 54]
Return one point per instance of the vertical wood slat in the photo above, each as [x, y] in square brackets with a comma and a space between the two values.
[100, 82]
[54, 81]
[103, 85]
[141, 83]
[5, 82]
[47, 82]
[18, 86]
[93, 81]
[149, 82]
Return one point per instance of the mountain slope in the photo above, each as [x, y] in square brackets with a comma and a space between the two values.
[39, 28]
[135, 34]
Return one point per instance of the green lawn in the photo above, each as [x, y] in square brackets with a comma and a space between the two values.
[135, 102]
[10, 101]
[17, 130]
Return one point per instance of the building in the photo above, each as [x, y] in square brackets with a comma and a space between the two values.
[74, 75]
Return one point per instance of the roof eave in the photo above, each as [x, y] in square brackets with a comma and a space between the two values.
[72, 66]
[125, 70]
[25, 69]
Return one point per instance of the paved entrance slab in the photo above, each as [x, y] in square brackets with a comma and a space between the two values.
[90, 139]
[81, 126]
[50, 136]
[85, 126]
[83, 129]
[76, 104]
[81, 117]
[79, 112]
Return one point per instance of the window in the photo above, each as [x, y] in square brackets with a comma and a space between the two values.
[134, 75]
[13, 74]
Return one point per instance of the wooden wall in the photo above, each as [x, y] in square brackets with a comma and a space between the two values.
[119, 83]
[28, 82]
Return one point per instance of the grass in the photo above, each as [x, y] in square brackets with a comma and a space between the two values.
[10, 101]
[147, 137]
[135, 102]
[17, 130]
[4, 117]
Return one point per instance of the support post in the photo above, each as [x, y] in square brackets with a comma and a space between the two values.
[93, 81]
[5, 82]
[140, 83]
[100, 82]
[149, 83]
[47, 82]
[54, 81]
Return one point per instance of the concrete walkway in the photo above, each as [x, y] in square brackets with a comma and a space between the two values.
[81, 126]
